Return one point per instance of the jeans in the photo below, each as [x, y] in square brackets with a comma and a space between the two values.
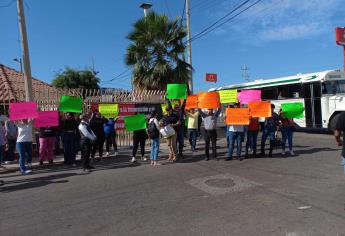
[287, 133]
[232, 137]
[11, 149]
[154, 149]
[85, 145]
[46, 148]
[211, 135]
[111, 141]
[192, 133]
[25, 154]
[180, 139]
[69, 145]
[252, 137]
[271, 135]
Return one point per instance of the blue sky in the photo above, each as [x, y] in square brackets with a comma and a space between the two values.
[274, 38]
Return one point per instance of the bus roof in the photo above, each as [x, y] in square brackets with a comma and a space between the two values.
[299, 78]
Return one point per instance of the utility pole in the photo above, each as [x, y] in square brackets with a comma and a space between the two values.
[245, 75]
[189, 46]
[25, 51]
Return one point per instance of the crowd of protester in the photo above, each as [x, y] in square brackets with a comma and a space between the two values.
[89, 132]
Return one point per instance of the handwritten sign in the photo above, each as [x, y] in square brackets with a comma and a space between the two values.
[23, 110]
[246, 96]
[237, 116]
[293, 110]
[109, 110]
[260, 109]
[71, 104]
[191, 102]
[228, 96]
[47, 119]
[176, 91]
[208, 100]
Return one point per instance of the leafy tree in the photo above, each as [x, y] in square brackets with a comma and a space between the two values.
[71, 78]
[155, 52]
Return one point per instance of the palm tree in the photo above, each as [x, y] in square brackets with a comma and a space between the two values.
[155, 52]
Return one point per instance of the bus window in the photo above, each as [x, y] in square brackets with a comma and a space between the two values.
[333, 86]
[269, 93]
[289, 91]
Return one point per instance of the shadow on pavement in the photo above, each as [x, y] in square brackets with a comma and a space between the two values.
[23, 184]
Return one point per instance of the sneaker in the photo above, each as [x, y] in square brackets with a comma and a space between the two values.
[283, 153]
[206, 158]
[51, 162]
[133, 160]
[74, 165]
[107, 154]
[30, 165]
[292, 153]
[86, 170]
[116, 153]
[144, 158]
[26, 172]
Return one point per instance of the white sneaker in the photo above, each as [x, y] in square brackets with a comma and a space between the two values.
[133, 160]
[27, 172]
[292, 153]
[144, 159]
[107, 154]
[30, 165]
[116, 153]
[283, 153]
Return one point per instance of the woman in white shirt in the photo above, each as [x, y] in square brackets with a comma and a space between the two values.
[24, 144]
[153, 131]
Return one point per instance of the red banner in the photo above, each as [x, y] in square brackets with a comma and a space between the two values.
[340, 36]
[210, 77]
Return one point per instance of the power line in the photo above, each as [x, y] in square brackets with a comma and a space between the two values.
[215, 26]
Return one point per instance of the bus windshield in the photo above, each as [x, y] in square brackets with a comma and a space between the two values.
[333, 87]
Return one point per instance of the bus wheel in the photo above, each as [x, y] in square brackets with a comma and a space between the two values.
[333, 122]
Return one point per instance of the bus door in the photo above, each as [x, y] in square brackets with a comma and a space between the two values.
[312, 101]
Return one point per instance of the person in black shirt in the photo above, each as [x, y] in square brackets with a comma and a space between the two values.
[139, 137]
[96, 124]
[340, 130]
[69, 127]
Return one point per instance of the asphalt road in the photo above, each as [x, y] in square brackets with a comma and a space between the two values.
[301, 195]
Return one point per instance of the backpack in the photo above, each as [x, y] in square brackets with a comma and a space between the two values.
[152, 130]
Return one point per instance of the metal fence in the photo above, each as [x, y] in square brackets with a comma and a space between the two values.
[48, 98]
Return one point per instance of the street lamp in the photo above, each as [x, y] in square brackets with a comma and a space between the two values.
[146, 7]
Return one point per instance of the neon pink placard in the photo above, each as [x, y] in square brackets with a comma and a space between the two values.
[246, 96]
[47, 119]
[23, 110]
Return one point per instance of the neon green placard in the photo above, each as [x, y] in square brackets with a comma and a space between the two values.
[71, 104]
[176, 91]
[228, 96]
[136, 122]
[293, 110]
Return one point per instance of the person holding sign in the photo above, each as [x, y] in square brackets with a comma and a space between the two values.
[110, 136]
[270, 127]
[193, 118]
[24, 144]
[287, 128]
[96, 124]
[210, 122]
[69, 128]
[47, 142]
[235, 133]
[170, 121]
[87, 137]
[252, 135]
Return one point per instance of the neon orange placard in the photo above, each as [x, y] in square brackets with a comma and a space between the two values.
[237, 116]
[209, 100]
[260, 109]
[191, 102]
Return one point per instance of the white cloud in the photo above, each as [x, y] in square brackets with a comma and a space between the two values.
[276, 20]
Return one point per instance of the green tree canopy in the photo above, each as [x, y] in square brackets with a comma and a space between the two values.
[71, 78]
[155, 52]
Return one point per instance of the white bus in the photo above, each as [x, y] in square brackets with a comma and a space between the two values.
[323, 95]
